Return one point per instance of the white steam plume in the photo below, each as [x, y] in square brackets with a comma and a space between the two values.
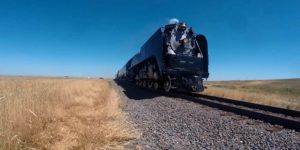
[173, 21]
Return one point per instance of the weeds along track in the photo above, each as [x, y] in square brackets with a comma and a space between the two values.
[56, 113]
[278, 116]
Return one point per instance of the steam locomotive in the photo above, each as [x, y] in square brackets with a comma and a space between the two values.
[174, 57]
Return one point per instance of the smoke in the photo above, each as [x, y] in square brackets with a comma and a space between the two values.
[173, 21]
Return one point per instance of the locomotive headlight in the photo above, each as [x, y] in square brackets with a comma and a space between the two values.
[186, 40]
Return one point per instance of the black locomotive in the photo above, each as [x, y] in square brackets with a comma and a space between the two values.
[173, 58]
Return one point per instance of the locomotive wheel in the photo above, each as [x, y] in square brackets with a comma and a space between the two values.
[155, 85]
[167, 84]
[150, 84]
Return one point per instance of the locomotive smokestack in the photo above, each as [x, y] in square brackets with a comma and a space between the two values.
[173, 21]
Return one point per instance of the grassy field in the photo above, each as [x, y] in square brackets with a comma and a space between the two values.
[53, 113]
[278, 93]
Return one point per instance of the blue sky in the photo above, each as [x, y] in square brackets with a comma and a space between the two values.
[255, 39]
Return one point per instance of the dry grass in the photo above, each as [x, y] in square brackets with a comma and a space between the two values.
[278, 93]
[61, 114]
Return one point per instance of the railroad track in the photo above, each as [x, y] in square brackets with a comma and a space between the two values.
[278, 116]
[286, 118]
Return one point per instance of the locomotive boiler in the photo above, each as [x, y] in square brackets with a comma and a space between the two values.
[174, 57]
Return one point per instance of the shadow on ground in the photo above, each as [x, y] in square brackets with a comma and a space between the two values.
[136, 93]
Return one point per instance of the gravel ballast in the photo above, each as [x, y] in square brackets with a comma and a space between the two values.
[175, 123]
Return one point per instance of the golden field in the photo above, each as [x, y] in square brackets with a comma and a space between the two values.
[54, 113]
[278, 93]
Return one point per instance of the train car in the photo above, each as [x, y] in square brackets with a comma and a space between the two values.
[174, 57]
